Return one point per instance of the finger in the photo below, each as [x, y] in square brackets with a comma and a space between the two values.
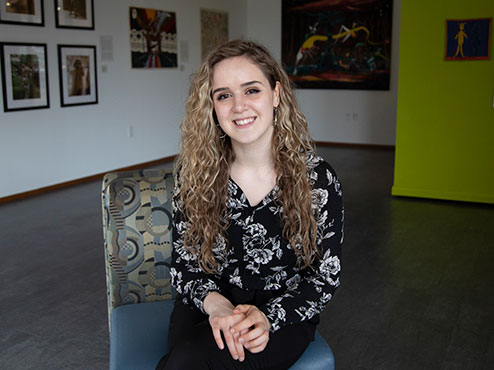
[241, 308]
[236, 318]
[243, 325]
[257, 342]
[251, 335]
[257, 349]
[245, 331]
[240, 349]
[217, 338]
[230, 343]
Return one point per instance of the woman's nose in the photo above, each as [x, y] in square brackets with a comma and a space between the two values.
[239, 105]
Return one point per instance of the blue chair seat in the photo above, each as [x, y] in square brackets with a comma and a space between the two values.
[139, 336]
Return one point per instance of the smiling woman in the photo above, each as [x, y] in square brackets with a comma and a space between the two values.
[258, 220]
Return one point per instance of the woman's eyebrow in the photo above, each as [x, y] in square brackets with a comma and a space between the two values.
[219, 89]
[242, 85]
[251, 83]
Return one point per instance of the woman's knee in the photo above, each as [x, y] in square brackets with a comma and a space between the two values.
[193, 351]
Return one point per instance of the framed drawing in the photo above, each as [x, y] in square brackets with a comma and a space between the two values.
[214, 30]
[153, 38]
[77, 70]
[25, 12]
[74, 14]
[24, 76]
[468, 39]
[343, 44]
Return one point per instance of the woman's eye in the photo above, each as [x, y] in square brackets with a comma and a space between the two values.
[253, 91]
[222, 96]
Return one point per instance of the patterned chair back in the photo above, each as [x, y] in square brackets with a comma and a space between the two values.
[137, 216]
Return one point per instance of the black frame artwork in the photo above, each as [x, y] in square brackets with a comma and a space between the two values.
[24, 76]
[78, 14]
[77, 75]
[31, 14]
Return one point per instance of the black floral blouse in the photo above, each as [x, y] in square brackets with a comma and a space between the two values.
[259, 258]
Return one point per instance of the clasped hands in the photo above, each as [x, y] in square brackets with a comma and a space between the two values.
[243, 326]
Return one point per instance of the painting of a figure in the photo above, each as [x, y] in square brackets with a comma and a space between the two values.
[468, 39]
[337, 44]
[153, 38]
[214, 30]
[78, 75]
[77, 71]
[25, 76]
[20, 6]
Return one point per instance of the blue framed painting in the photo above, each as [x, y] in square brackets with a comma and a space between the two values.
[468, 39]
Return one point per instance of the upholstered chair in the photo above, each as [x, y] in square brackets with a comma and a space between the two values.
[137, 216]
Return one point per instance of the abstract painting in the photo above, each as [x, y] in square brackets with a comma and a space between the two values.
[337, 44]
[153, 38]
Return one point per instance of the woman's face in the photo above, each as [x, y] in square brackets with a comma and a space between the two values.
[244, 102]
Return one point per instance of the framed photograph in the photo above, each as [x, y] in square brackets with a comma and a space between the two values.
[24, 76]
[78, 80]
[74, 14]
[468, 39]
[153, 38]
[343, 44]
[25, 12]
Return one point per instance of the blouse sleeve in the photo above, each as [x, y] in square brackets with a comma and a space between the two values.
[315, 286]
[188, 280]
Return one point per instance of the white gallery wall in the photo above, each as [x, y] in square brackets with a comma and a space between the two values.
[139, 111]
[43, 147]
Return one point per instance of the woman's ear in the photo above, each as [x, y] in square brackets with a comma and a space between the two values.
[276, 94]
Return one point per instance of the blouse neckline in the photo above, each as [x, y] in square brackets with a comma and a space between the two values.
[268, 197]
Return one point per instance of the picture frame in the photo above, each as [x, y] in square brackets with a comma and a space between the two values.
[153, 38]
[343, 44]
[24, 76]
[78, 14]
[468, 39]
[78, 75]
[22, 12]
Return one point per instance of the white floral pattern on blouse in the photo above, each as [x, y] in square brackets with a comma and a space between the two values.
[256, 257]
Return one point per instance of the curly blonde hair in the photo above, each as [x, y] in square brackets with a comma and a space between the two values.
[205, 158]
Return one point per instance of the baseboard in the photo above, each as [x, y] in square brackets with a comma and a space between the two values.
[442, 195]
[354, 145]
[99, 176]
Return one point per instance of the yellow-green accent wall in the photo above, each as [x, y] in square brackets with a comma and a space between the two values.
[445, 119]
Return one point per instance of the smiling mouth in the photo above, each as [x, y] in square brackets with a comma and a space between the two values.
[244, 121]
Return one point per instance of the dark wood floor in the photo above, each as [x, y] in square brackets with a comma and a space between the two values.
[417, 283]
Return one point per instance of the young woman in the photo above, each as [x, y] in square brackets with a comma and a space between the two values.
[258, 220]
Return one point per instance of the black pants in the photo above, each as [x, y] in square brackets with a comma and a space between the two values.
[192, 345]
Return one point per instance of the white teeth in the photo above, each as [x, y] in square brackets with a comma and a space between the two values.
[245, 121]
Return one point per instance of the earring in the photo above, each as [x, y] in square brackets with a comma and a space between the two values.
[275, 116]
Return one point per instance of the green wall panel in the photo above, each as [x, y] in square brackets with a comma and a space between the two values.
[445, 120]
